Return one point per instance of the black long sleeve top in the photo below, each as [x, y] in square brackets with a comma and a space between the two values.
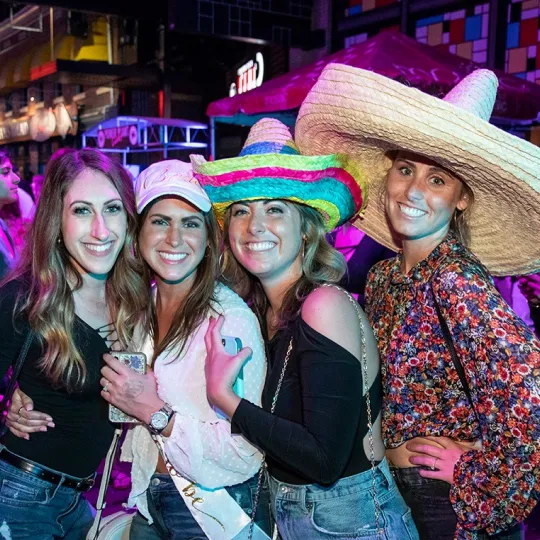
[316, 432]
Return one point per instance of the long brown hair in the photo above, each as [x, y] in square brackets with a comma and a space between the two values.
[52, 277]
[321, 263]
[198, 300]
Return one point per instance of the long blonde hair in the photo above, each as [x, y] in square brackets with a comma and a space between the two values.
[51, 277]
[321, 263]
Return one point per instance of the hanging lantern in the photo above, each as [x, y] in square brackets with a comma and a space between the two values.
[63, 120]
[42, 125]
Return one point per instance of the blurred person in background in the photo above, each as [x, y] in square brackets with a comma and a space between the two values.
[9, 195]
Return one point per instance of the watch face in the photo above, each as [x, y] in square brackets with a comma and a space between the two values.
[159, 420]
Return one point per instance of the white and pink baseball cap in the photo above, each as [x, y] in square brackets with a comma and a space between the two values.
[170, 177]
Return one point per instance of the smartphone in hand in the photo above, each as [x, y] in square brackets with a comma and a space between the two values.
[137, 362]
[232, 346]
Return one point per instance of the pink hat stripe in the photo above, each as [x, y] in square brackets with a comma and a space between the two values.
[221, 180]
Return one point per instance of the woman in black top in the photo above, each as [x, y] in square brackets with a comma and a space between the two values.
[321, 436]
[66, 291]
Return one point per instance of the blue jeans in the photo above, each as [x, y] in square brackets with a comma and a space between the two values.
[431, 508]
[345, 509]
[173, 519]
[38, 510]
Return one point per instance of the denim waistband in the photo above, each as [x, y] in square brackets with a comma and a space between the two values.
[345, 486]
[38, 481]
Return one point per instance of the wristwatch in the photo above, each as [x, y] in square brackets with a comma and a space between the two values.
[160, 419]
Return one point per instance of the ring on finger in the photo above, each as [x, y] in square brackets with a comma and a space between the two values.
[19, 416]
[434, 463]
[106, 387]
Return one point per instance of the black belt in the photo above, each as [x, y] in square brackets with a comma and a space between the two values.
[83, 484]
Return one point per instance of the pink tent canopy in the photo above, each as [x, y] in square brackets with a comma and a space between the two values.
[397, 56]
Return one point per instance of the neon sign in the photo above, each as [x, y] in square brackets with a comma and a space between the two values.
[249, 76]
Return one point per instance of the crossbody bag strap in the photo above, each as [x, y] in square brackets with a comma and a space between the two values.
[452, 350]
[15, 376]
[94, 531]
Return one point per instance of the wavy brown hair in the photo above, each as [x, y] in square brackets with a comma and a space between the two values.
[197, 303]
[51, 277]
[321, 263]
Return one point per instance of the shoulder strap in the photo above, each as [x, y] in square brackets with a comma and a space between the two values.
[93, 533]
[14, 377]
[452, 350]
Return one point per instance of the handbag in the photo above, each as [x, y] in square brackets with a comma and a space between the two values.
[369, 420]
[13, 381]
[116, 526]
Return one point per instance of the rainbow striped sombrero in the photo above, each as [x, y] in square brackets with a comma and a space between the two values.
[271, 167]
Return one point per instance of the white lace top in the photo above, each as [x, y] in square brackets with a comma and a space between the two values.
[201, 447]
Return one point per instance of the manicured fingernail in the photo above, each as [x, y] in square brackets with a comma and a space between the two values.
[49, 419]
[27, 437]
[42, 428]
[51, 424]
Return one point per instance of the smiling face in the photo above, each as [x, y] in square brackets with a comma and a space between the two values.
[173, 240]
[266, 239]
[94, 223]
[8, 183]
[421, 198]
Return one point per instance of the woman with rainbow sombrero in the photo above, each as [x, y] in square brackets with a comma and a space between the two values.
[319, 425]
[461, 372]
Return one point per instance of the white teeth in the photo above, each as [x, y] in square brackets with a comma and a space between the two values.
[260, 246]
[99, 247]
[411, 212]
[172, 256]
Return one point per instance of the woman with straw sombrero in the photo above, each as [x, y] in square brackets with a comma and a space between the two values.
[461, 371]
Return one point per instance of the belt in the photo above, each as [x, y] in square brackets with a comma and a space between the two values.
[83, 484]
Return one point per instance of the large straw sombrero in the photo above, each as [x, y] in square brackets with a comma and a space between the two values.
[270, 167]
[366, 115]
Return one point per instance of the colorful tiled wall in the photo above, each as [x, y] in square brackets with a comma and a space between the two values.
[523, 40]
[463, 32]
[355, 7]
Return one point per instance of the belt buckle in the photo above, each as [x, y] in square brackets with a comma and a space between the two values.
[86, 484]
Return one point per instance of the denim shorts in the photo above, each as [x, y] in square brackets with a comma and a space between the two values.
[32, 508]
[173, 519]
[345, 509]
[432, 511]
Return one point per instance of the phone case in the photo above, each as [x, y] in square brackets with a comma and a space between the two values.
[232, 346]
[137, 362]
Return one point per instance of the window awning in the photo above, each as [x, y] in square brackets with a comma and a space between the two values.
[88, 73]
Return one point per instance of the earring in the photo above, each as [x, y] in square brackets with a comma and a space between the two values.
[59, 240]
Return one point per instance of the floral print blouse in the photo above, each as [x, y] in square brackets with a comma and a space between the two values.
[499, 485]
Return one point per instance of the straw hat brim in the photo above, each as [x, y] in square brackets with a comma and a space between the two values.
[365, 115]
[333, 185]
